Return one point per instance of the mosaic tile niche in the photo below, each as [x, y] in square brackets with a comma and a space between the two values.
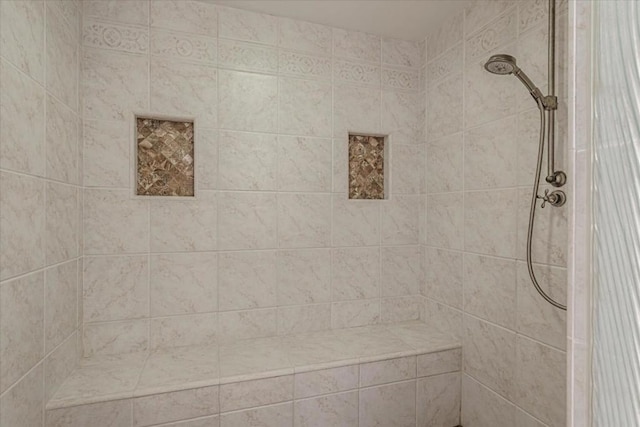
[165, 157]
[366, 166]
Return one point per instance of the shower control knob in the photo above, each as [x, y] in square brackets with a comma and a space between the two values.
[557, 179]
[555, 198]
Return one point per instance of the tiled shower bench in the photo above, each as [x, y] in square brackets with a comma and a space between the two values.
[403, 374]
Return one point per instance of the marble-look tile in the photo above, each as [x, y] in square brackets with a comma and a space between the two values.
[180, 89]
[302, 65]
[298, 319]
[279, 415]
[237, 325]
[550, 231]
[304, 164]
[479, 14]
[212, 421]
[183, 283]
[185, 16]
[23, 405]
[400, 220]
[247, 161]
[355, 109]
[438, 400]
[320, 348]
[247, 101]
[59, 364]
[249, 394]
[304, 220]
[247, 280]
[248, 26]
[401, 270]
[180, 405]
[130, 336]
[62, 142]
[106, 154]
[535, 43]
[400, 309]
[327, 411]
[444, 164]
[490, 355]
[115, 288]
[185, 225]
[304, 36]
[400, 52]
[62, 223]
[22, 138]
[441, 362]
[108, 378]
[253, 356]
[183, 331]
[490, 222]
[444, 276]
[371, 342]
[442, 317]
[531, 14]
[444, 107]
[21, 327]
[483, 408]
[490, 289]
[445, 220]
[445, 36]
[120, 37]
[490, 156]
[527, 149]
[350, 314]
[22, 220]
[355, 222]
[407, 169]
[325, 381]
[357, 72]
[183, 47]
[247, 56]
[102, 70]
[207, 167]
[247, 221]
[304, 107]
[181, 366]
[356, 45]
[523, 419]
[401, 117]
[387, 371]
[540, 386]
[62, 54]
[61, 305]
[355, 273]
[131, 12]
[112, 414]
[537, 318]
[304, 276]
[488, 97]
[23, 45]
[392, 405]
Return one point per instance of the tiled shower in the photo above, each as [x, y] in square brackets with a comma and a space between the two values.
[271, 297]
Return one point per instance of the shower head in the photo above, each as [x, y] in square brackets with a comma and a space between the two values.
[506, 64]
[501, 64]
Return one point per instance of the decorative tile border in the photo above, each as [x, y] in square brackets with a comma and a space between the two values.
[247, 56]
[188, 47]
[357, 72]
[302, 65]
[106, 35]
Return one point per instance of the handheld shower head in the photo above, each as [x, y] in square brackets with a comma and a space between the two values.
[506, 64]
[501, 64]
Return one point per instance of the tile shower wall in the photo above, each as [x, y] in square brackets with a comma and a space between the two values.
[40, 204]
[271, 245]
[481, 133]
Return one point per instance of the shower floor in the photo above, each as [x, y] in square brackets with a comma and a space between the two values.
[131, 376]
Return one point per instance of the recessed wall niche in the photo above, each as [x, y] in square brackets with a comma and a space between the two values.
[366, 166]
[164, 157]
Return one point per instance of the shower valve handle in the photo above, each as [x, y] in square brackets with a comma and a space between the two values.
[556, 198]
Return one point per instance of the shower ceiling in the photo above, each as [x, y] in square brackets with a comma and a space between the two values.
[402, 19]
